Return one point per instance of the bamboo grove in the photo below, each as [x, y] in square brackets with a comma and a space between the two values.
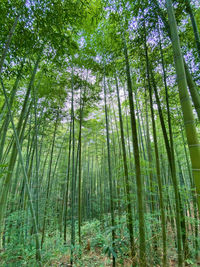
[99, 133]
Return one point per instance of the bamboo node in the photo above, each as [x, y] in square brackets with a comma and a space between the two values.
[183, 99]
[189, 122]
[194, 145]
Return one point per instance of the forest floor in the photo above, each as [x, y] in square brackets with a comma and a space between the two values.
[95, 249]
[97, 259]
[90, 259]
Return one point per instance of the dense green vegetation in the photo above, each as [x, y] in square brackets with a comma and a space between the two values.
[99, 133]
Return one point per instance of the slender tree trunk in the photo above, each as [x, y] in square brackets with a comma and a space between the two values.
[172, 168]
[142, 259]
[194, 25]
[66, 192]
[80, 166]
[127, 185]
[36, 156]
[17, 141]
[193, 90]
[12, 161]
[6, 121]
[182, 219]
[73, 173]
[49, 180]
[8, 41]
[189, 122]
[109, 172]
[190, 82]
[158, 172]
[161, 202]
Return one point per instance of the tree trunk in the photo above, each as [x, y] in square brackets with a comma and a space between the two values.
[109, 173]
[194, 25]
[142, 258]
[189, 122]
[127, 185]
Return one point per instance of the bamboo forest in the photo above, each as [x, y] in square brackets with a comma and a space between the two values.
[99, 133]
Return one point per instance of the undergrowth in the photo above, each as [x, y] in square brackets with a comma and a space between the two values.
[96, 247]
